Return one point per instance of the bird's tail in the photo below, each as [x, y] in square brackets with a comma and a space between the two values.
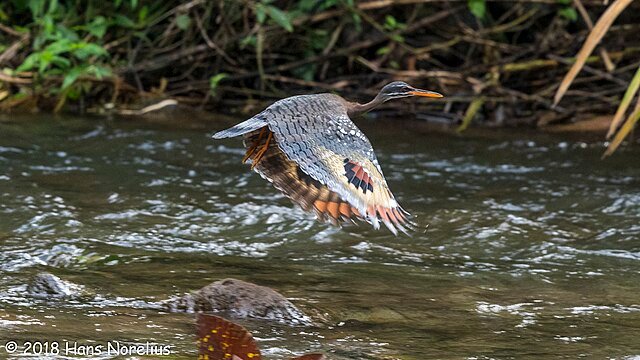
[244, 127]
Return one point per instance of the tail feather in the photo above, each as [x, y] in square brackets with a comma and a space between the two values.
[244, 127]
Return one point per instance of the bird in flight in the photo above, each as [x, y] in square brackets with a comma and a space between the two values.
[309, 149]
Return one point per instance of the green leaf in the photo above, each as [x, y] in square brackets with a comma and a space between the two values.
[183, 21]
[53, 6]
[307, 5]
[478, 8]
[142, 14]
[64, 32]
[318, 39]
[280, 17]
[124, 21]
[261, 13]
[59, 46]
[357, 21]
[48, 25]
[569, 13]
[98, 27]
[564, 2]
[100, 71]
[84, 50]
[306, 72]
[383, 50]
[215, 80]
[29, 63]
[328, 3]
[45, 59]
[60, 62]
[71, 77]
[397, 38]
[36, 7]
[249, 40]
[390, 23]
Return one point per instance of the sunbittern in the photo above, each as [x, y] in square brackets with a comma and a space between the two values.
[308, 148]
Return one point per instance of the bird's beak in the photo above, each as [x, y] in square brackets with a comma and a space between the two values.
[425, 93]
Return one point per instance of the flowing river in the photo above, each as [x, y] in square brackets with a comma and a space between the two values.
[532, 248]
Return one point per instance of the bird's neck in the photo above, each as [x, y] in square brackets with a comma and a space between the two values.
[359, 109]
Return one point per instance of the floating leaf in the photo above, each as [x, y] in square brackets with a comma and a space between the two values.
[218, 338]
[222, 339]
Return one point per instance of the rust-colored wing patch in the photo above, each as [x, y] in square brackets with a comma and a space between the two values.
[357, 176]
[301, 188]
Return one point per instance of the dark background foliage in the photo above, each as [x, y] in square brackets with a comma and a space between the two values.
[499, 62]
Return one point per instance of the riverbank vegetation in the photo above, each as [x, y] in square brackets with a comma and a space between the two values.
[500, 63]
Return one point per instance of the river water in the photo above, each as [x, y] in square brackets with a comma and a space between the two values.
[532, 249]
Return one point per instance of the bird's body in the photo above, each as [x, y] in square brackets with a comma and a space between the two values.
[308, 148]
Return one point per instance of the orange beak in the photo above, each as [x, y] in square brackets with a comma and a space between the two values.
[426, 93]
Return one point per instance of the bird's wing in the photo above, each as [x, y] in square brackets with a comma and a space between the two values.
[288, 177]
[316, 133]
[244, 127]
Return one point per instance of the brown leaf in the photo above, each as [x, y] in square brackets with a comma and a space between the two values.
[219, 339]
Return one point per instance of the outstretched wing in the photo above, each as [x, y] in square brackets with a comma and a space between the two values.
[316, 133]
[288, 177]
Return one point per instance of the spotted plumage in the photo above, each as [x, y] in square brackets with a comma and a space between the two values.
[309, 148]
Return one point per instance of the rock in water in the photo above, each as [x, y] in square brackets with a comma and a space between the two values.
[240, 299]
[49, 286]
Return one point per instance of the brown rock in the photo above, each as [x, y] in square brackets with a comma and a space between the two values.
[240, 299]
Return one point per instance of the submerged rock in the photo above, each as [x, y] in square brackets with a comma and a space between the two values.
[241, 299]
[48, 286]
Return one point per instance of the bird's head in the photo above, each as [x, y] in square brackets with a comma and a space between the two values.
[400, 89]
